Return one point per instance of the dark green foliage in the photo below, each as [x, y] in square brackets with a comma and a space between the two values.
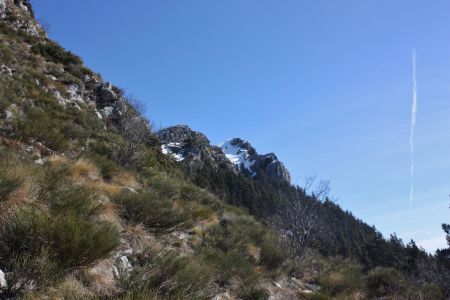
[39, 124]
[72, 241]
[384, 282]
[226, 247]
[172, 277]
[54, 52]
[10, 91]
[107, 166]
[9, 182]
[342, 277]
[274, 251]
[41, 245]
[38, 268]
[157, 213]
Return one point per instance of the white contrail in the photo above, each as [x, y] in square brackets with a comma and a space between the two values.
[413, 124]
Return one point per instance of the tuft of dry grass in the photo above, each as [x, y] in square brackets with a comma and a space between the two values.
[125, 179]
[141, 240]
[70, 289]
[101, 278]
[110, 212]
[84, 170]
[254, 252]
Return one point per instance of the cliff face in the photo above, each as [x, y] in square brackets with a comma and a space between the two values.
[248, 161]
[193, 149]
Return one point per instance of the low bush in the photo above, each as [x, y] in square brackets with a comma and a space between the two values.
[172, 276]
[342, 277]
[26, 269]
[71, 240]
[107, 166]
[40, 125]
[274, 251]
[54, 52]
[155, 212]
[9, 181]
[382, 282]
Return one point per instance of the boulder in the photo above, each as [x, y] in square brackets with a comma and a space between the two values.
[2, 7]
[3, 283]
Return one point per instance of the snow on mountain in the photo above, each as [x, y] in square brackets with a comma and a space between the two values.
[173, 149]
[238, 155]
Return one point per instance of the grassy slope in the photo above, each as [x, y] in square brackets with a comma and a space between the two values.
[67, 225]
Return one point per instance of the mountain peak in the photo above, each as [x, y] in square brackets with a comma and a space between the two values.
[242, 154]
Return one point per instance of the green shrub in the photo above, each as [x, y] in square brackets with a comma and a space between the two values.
[274, 251]
[69, 199]
[9, 182]
[71, 240]
[54, 52]
[10, 91]
[225, 248]
[41, 126]
[343, 277]
[107, 166]
[172, 276]
[79, 242]
[382, 282]
[156, 213]
[38, 269]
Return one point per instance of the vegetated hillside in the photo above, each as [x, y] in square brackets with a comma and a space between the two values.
[91, 205]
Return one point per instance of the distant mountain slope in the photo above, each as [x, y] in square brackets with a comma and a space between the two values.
[194, 149]
[94, 205]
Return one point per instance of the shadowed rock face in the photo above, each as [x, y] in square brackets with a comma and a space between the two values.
[248, 160]
[193, 149]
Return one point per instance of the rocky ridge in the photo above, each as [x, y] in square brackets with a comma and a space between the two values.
[193, 149]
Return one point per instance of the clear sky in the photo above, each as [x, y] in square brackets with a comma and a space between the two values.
[326, 85]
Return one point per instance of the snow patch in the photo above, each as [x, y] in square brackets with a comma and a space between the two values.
[3, 283]
[238, 156]
[173, 149]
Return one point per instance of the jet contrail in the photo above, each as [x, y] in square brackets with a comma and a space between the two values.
[413, 124]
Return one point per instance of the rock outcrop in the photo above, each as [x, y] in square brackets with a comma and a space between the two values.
[248, 161]
[3, 283]
[193, 149]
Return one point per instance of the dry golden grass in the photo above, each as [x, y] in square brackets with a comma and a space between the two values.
[70, 289]
[101, 278]
[140, 239]
[84, 170]
[110, 212]
[125, 179]
[107, 188]
[58, 160]
[335, 278]
[254, 252]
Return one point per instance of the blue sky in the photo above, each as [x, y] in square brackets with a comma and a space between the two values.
[326, 85]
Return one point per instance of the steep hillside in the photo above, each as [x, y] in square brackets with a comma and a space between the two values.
[94, 205]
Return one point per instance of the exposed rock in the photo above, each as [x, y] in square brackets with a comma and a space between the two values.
[106, 95]
[248, 161]
[29, 27]
[192, 148]
[51, 77]
[12, 112]
[5, 69]
[3, 283]
[74, 93]
[9, 116]
[111, 105]
[2, 6]
[124, 265]
[223, 296]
